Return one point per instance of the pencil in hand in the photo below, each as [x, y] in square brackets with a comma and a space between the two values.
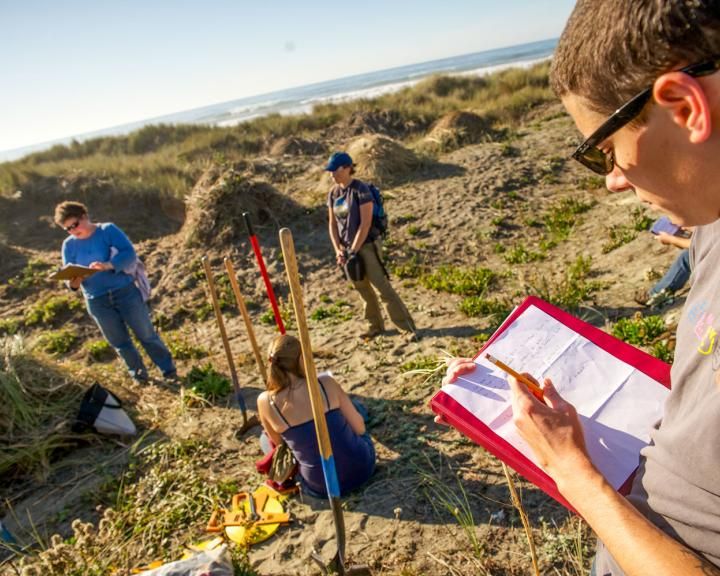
[534, 388]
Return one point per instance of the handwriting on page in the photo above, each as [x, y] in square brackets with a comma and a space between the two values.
[532, 341]
[617, 404]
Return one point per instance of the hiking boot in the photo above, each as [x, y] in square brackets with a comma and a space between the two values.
[411, 336]
[171, 377]
[371, 333]
[140, 377]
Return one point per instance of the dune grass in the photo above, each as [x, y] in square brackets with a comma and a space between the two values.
[37, 405]
[165, 160]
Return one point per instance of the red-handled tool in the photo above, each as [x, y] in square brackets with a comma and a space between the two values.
[263, 272]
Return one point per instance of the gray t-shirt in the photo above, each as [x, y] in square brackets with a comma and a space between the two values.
[345, 204]
[677, 485]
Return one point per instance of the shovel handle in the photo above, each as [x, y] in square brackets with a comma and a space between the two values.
[223, 335]
[246, 318]
[263, 272]
[288, 249]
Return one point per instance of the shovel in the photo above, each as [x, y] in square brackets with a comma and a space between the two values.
[246, 317]
[337, 565]
[263, 272]
[247, 423]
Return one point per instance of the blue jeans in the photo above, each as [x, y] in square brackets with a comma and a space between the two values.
[676, 276]
[118, 310]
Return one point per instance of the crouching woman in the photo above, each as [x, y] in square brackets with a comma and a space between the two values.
[286, 414]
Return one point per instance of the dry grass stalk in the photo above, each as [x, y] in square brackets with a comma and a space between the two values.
[523, 517]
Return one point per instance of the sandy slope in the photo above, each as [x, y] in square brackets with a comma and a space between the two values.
[447, 214]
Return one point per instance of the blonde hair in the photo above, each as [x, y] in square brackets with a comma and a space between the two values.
[285, 356]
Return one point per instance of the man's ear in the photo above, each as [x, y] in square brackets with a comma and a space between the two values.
[686, 100]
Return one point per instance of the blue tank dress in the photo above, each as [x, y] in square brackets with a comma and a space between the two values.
[354, 454]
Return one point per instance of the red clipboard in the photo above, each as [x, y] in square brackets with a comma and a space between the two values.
[464, 421]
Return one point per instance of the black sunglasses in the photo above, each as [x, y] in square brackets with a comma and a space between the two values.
[72, 226]
[589, 155]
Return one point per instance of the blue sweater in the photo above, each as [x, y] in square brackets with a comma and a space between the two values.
[96, 248]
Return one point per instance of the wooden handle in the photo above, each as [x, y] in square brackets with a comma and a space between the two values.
[246, 317]
[288, 250]
[220, 322]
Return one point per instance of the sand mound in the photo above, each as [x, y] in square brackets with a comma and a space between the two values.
[291, 146]
[381, 160]
[456, 129]
[219, 199]
[26, 218]
[386, 122]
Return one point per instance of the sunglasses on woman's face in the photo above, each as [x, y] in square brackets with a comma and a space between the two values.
[601, 162]
[72, 226]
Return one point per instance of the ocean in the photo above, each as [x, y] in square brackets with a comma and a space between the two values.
[301, 99]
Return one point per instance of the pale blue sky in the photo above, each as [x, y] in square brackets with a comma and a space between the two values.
[74, 66]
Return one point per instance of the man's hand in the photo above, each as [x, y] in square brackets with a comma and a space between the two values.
[456, 367]
[74, 283]
[552, 429]
[101, 266]
[669, 239]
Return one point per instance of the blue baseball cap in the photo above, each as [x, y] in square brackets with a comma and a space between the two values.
[338, 160]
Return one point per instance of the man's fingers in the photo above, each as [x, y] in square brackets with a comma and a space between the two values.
[458, 367]
[552, 396]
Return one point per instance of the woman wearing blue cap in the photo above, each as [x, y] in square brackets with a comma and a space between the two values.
[350, 208]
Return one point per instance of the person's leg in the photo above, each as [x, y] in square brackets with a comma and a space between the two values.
[676, 276]
[115, 331]
[373, 314]
[265, 443]
[375, 274]
[136, 315]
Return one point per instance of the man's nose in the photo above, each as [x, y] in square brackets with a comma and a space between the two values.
[616, 181]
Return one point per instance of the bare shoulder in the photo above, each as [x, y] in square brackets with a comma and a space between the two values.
[333, 389]
[263, 400]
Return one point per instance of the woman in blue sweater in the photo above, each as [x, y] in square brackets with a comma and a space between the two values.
[111, 296]
[285, 414]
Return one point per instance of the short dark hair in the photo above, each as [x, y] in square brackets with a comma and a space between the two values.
[69, 209]
[611, 49]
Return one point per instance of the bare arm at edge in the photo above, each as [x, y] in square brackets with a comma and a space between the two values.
[555, 435]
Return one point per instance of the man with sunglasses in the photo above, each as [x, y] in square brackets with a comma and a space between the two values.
[640, 80]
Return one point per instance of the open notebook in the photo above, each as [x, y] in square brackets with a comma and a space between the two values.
[618, 391]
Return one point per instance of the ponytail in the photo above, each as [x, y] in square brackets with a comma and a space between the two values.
[285, 357]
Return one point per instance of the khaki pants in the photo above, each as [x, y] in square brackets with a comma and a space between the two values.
[375, 277]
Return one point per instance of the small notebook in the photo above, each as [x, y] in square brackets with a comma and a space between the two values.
[618, 390]
[70, 271]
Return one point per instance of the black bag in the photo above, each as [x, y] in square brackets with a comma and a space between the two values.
[354, 268]
[101, 411]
